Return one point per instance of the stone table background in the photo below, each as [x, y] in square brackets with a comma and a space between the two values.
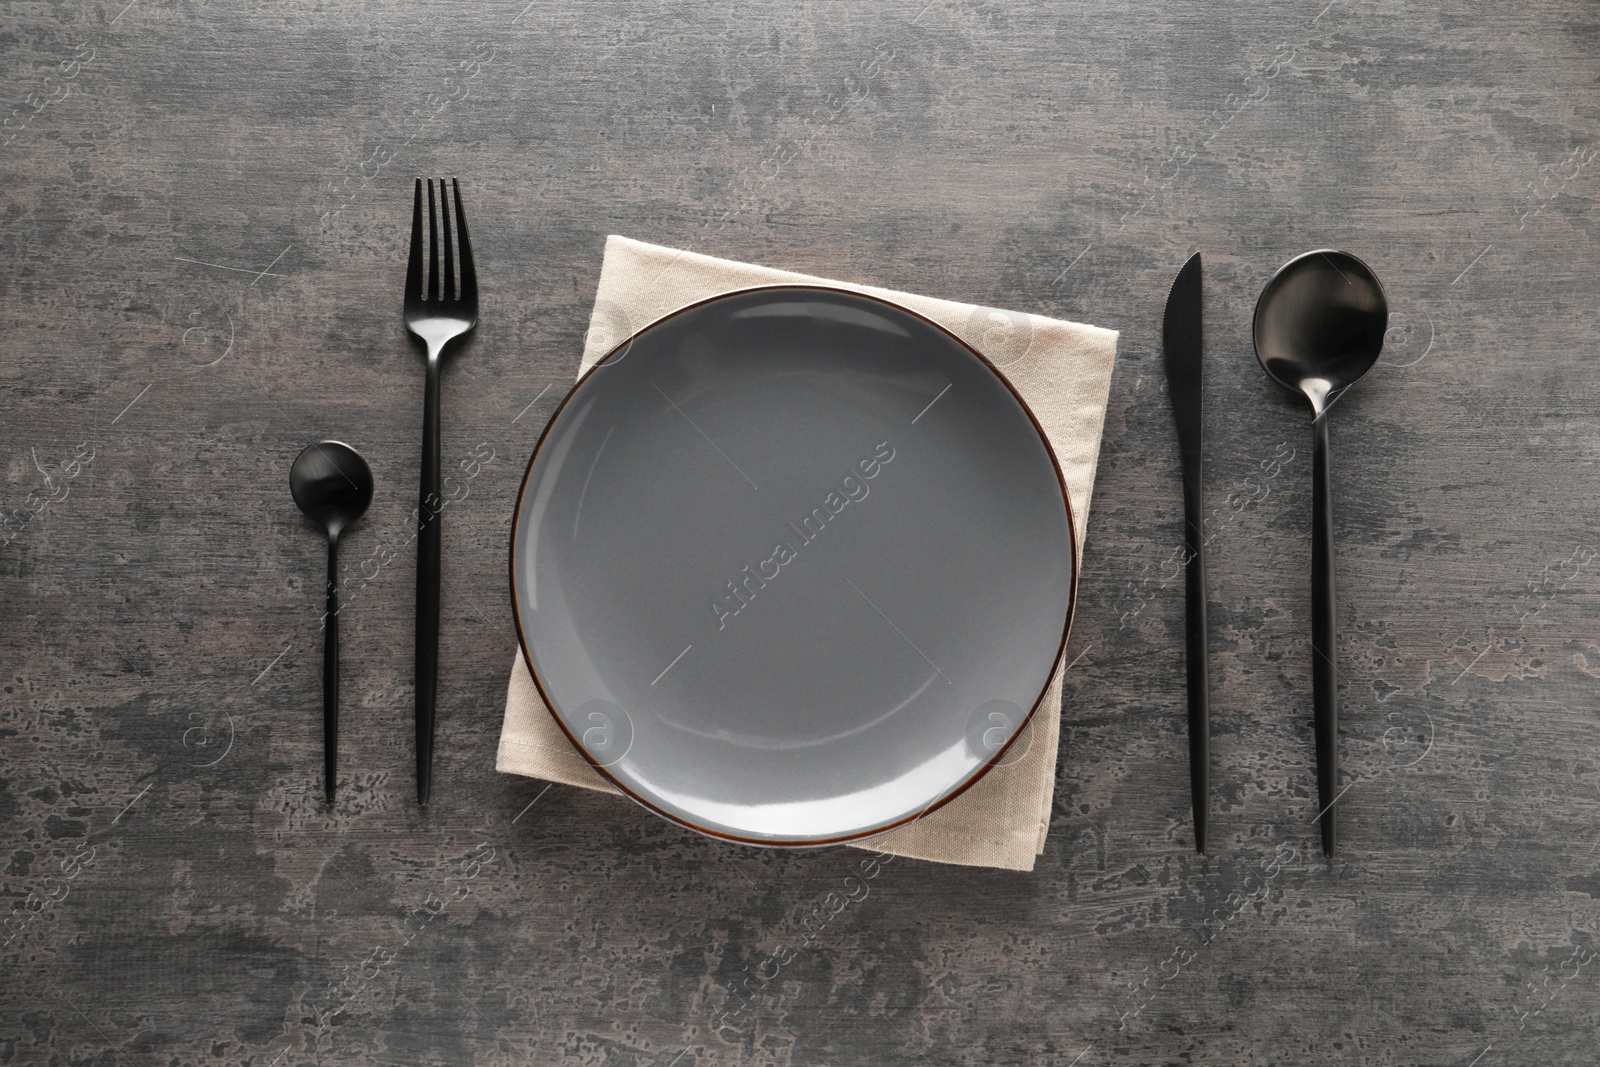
[203, 211]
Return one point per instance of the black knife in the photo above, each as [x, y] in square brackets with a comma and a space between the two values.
[1180, 349]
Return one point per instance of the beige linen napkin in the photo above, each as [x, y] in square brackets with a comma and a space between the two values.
[1062, 369]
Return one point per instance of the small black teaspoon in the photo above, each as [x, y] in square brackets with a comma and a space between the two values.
[332, 484]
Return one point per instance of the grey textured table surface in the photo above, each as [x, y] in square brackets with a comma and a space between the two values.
[202, 219]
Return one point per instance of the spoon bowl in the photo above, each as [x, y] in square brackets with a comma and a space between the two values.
[1319, 327]
[1319, 324]
[332, 484]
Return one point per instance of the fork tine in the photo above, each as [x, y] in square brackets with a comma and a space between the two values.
[433, 247]
[451, 289]
[469, 273]
[414, 267]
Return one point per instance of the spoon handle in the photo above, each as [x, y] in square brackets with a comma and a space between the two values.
[330, 675]
[1324, 674]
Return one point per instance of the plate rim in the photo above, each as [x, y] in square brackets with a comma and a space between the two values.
[943, 799]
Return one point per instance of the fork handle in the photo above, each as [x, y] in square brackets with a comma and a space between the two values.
[429, 540]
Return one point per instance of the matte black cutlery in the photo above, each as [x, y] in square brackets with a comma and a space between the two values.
[1181, 350]
[1319, 327]
[439, 307]
[332, 484]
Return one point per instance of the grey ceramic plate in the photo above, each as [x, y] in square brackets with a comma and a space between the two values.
[792, 566]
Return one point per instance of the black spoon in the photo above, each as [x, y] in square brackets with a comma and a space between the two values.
[333, 486]
[1319, 327]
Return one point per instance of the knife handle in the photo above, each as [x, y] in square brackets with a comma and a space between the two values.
[1196, 658]
[429, 541]
[1324, 673]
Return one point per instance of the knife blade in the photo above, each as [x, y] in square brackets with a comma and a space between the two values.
[1181, 347]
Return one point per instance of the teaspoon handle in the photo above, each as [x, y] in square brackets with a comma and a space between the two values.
[1324, 673]
[330, 675]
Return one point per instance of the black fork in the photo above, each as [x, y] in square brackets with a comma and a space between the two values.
[438, 313]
